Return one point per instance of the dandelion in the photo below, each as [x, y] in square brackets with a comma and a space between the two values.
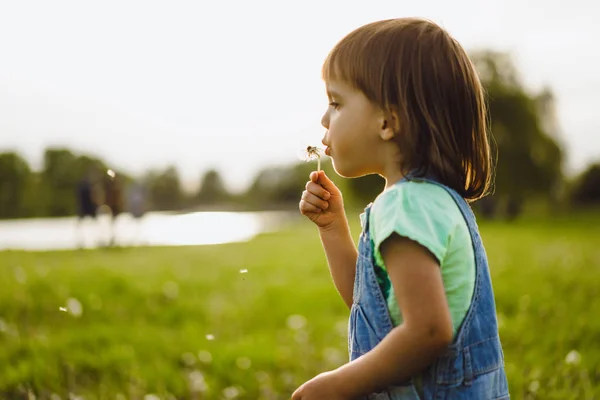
[210, 337]
[296, 322]
[573, 357]
[188, 359]
[231, 392]
[243, 363]
[311, 153]
[204, 356]
[534, 386]
[74, 307]
[197, 382]
[243, 271]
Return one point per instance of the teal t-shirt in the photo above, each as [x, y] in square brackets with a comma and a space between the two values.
[426, 213]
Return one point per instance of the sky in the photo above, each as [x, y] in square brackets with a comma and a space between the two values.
[236, 85]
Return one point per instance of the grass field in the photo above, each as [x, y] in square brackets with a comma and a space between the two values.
[254, 320]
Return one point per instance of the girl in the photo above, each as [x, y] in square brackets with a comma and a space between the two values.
[407, 104]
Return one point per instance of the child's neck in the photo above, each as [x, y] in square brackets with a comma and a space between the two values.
[392, 172]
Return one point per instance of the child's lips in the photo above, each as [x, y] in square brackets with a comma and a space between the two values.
[327, 150]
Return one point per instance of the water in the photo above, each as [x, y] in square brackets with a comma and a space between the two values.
[154, 229]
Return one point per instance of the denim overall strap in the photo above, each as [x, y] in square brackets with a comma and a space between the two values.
[370, 320]
[366, 332]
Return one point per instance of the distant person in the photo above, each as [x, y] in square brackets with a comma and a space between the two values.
[406, 103]
[136, 197]
[88, 200]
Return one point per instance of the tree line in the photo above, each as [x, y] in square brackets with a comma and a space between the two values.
[528, 154]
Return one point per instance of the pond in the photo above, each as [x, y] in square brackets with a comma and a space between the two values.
[154, 229]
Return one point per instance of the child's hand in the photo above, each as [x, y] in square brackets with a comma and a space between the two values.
[322, 201]
[325, 386]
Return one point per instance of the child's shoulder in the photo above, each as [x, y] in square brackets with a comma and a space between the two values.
[420, 210]
[415, 195]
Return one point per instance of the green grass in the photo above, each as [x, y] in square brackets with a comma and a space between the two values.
[148, 313]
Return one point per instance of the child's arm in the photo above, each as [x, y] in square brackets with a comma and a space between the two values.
[322, 203]
[427, 325]
[341, 256]
[409, 348]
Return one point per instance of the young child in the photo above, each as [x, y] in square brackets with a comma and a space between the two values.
[407, 104]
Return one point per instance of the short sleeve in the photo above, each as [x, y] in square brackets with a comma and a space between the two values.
[421, 211]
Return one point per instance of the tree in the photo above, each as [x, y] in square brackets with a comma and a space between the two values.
[16, 181]
[59, 179]
[164, 189]
[587, 187]
[283, 185]
[529, 159]
[212, 190]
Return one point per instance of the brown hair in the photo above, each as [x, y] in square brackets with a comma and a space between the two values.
[415, 68]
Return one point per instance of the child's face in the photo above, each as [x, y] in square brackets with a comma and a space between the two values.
[353, 126]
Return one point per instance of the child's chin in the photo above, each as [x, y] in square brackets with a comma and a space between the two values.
[345, 172]
[338, 170]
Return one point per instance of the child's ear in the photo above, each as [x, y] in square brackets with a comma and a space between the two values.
[390, 124]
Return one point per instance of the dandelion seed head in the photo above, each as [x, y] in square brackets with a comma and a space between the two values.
[243, 363]
[205, 357]
[188, 359]
[74, 307]
[231, 392]
[197, 382]
[534, 386]
[296, 322]
[573, 358]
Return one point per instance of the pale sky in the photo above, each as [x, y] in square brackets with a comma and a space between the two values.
[236, 85]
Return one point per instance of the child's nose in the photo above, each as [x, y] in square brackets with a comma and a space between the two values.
[325, 120]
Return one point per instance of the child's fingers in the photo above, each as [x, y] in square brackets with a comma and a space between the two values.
[307, 208]
[317, 190]
[314, 176]
[326, 183]
[314, 200]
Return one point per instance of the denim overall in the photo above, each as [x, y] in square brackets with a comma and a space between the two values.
[472, 367]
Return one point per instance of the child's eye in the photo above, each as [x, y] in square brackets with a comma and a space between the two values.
[333, 104]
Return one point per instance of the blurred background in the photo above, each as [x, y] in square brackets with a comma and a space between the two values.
[128, 128]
